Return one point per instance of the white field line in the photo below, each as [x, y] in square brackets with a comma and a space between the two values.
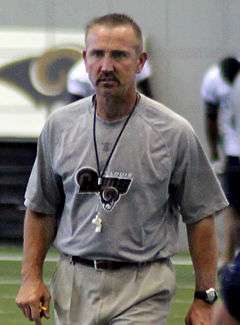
[17, 281]
[7, 313]
[14, 281]
[18, 257]
[182, 261]
[179, 301]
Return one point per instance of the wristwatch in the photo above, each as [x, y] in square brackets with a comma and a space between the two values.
[209, 295]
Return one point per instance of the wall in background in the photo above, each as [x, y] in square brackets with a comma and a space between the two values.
[33, 69]
[185, 37]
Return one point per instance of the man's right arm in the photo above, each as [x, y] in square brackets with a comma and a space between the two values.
[212, 129]
[39, 233]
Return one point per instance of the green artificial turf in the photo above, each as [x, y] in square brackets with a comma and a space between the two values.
[10, 281]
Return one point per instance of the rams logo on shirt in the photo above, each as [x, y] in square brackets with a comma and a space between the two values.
[110, 189]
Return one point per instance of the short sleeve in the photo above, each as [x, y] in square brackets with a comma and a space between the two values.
[194, 186]
[44, 190]
[209, 87]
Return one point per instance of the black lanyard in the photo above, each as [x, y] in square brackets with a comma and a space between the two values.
[100, 174]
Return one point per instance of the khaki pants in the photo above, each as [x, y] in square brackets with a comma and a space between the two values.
[132, 295]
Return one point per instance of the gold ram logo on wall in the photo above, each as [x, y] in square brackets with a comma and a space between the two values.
[43, 78]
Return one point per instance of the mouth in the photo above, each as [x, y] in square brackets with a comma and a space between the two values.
[108, 81]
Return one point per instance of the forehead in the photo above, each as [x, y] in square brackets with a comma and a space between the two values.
[108, 37]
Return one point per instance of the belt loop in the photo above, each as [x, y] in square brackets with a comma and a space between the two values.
[95, 263]
[72, 260]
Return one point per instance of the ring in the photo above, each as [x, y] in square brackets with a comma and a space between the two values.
[42, 308]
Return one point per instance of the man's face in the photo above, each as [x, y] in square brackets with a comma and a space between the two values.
[112, 60]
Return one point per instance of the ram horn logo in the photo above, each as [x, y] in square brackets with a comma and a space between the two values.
[109, 191]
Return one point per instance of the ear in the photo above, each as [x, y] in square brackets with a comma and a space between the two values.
[84, 55]
[141, 61]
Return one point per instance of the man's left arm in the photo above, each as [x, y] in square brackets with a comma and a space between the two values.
[203, 249]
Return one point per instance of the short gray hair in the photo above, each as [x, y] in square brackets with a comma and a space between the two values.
[114, 20]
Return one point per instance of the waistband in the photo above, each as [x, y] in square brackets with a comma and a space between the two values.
[111, 265]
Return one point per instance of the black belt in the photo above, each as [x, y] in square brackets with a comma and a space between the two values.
[109, 265]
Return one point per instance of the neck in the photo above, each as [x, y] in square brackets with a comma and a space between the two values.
[114, 108]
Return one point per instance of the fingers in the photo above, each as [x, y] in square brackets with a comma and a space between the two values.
[44, 309]
[26, 311]
[35, 312]
[34, 299]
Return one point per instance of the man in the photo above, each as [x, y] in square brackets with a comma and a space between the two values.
[112, 175]
[228, 311]
[80, 86]
[235, 104]
[215, 91]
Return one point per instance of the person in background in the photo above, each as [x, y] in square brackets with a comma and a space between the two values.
[80, 86]
[113, 174]
[228, 312]
[222, 136]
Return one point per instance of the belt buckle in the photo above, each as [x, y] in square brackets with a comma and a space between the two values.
[96, 267]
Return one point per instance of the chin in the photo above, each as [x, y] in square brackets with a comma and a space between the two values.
[111, 91]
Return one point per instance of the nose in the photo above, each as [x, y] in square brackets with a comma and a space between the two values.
[107, 64]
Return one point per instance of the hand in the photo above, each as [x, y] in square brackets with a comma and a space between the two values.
[33, 299]
[200, 313]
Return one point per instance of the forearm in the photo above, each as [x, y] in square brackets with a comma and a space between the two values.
[39, 232]
[213, 136]
[212, 131]
[203, 249]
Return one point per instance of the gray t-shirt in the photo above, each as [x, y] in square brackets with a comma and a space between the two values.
[157, 172]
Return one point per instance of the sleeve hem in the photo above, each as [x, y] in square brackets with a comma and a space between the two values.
[201, 216]
[37, 208]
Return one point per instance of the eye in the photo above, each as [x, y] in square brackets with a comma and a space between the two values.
[119, 54]
[97, 53]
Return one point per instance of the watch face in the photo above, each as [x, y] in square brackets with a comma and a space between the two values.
[211, 295]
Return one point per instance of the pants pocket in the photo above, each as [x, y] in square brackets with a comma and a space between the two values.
[61, 290]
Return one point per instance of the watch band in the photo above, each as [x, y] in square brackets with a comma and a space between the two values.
[209, 295]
